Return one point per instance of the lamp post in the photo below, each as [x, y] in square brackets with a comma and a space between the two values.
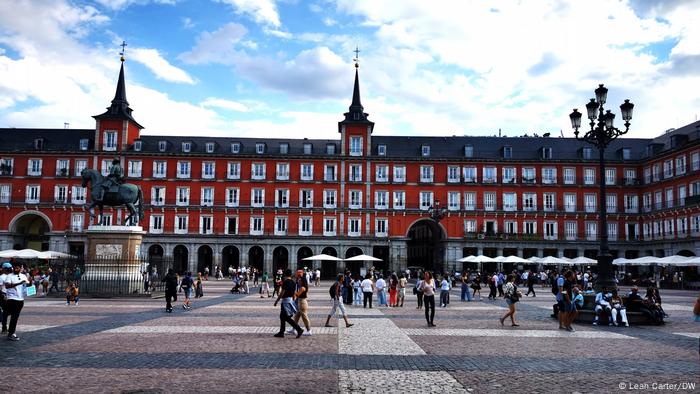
[600, 135]
[437, 213]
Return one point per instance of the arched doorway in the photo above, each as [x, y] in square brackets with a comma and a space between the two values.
[155, 253]
[354, 267]
[30, 230]
[180, 259]
[303, 253]
[280, 258]
[329, 268]
[329, 250]
[425, 246]
[256, 258]
[205, 257]
[686, 253]
[230, 257]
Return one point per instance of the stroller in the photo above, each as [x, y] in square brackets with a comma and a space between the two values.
[236, 289]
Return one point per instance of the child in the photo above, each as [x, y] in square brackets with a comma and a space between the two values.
[578, 301]
[72, 294]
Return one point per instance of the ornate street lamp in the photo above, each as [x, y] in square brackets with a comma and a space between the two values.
[437, 213]
[600, 135]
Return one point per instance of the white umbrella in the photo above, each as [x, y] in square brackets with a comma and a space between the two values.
[362, 257]
[20, 254]
[468, 259]
[646, 260]
[484, 259]
[583, 260]
[533, 259]
[673, 260]
[322, 257]
[515, 259]
[691, 262]
[551, 260]
[620, 261]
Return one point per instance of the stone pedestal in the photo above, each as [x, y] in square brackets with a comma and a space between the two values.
[114, 242]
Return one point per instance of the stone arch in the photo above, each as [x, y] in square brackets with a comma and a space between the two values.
[256, 257]
[280, 258]
[353, 251]
[181, 258]
[12, 227]
[425, 245]
[230, 257]
[30, 230]
[303, 253]
[686, 253]
[205, 259]
[155, 252]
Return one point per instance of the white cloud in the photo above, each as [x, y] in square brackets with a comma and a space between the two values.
[225, 104]
[162, 69]
[117, 5]
[215, 47]
[263, 12]
[293, 124]
[187, 23]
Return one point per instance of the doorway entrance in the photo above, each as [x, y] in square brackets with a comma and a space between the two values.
[425, 246]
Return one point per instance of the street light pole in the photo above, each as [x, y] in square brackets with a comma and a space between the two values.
[601, 134]
[437, 213]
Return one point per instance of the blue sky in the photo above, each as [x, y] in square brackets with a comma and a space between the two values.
[285, 68]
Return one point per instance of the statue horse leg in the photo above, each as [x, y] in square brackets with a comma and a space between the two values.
[132, 219]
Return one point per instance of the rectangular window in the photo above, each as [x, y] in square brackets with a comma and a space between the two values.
[233, 170]
[355, 146]
[205, 224]
[425, 150]
[469, 174]
[426, 200]
[134, 168]
[5, 191]
[355, 199]
[612, 231]
[656, 172]
[587, 153]
[305, 223]
[259, 148]
[158, 195]
[611, 203]
[591, 231]
[76, 222]
[647, 202]
[34, 167]
[107, 219]
[280, 225]
[60, 194]
[569, 202]
[668, 169]
[570, 230]
[329, 227]
[590, 202]
[329, 173]
[210, 147]
[507, 152]
[549, 175]
[530, 228]
[329, 198]
[529, 202]
[681, 195]
[682, 226]
[630, 176]
[381, 173]
[550, 201]
[469, 201]
[610, 176]
[680, 165]
[84, 142]
[6, 166]
[105, 167]
[381, 150]
[695, 161]
[489, 175]
[232, 225]
[62, 167]
[546, 153]
[452, 174]
[490, 201]
[78, 195]
[399, 174]
[399, 200]
[181, 224]
[80, 165]
[510, 227]
[232, 197]
[308, 148]
[354, 228]
[183, 169]
[235, 148]
[282, 171]
[160, 169]
[306, 198]
[647, 175]
[183, 196]
[508, 175]
[330, 149]
[453, 201]
[258, 171]
[589, 176]
[529, 175]
[426, 174]
[510, 202]
[256, 225]
[282, 198]
[186, 147]
[469, 228]
[110, 141]
[381, 199]
[257, 198]
[468, 151]
[355, 173]
[381, 227]
[207, 196]
[284, 148]
[208, 170]
[631, 203]
[162, 145]
[658, 199]
[307, 172]
[669, 198]
[550, 230]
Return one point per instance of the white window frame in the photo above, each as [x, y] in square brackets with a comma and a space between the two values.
[233, 197]
[453, 174]
[356, 147]
[109, 142]
[134, 168]
[155, 225]
[355, 199]
[182, 196]
[425, 200]
[233, 170]
[184, 165]
[381, 199]
[381, 227]
[281, 225]
[257, 172]
[354, 227]
[257, 225]
[399, 199]
[207, 197]
[328, 195]
[399, 174]
[329, 222]
[182, 224]
[381, 173]
[158, 196]
[426, 174]
[158, 164]
[282, 171]
[306, 221]
[257, 197]
[307, 172]
[208, 169]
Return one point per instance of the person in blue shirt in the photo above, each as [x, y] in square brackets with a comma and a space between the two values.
[602, 303]
[578, 302]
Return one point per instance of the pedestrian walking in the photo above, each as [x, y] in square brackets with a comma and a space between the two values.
[531, 284]
[357, 290]
[466, 292]
[186, 286]
[318, 278]
[287, 308]
[428, 288]
[53, 276]
[264, 286]
[6, 270]
[393, 290]
[367, 290]
[15, 285]
[476, 286]
[170, 281]
[402, 288]
[493, 280]
[381, 295]
[300, 295]
[418, 291]
[337, 300]
[512, 296]
[444, 291]
[199, 286]
[500, 278]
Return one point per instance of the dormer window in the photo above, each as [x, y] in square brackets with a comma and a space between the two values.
[84, 144]
[546, 153]
[381, 150]
[308, 148]
[235, 147]
[587, 153]
[210, 147]
[330, 149]
[425, 150]
[284, 148]
[468, 151]
[507, 152]
[626, 153]
[186, 147]
[137, 146]
[110, 141]
[162, 145]
[260, 148]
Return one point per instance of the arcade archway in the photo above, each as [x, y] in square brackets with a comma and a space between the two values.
[180, 259]
[280, 258]
[303, 253]
[230, 257]
[31, 231]
[155, 253]
[425, 246]
[353, 266]
[256, 258]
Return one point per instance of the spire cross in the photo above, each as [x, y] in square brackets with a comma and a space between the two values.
[357, 53]
[123, 45]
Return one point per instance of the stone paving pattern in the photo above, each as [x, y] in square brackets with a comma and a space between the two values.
[225, 344]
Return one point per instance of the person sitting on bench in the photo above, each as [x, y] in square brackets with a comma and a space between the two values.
[602, 303]
[618, 308]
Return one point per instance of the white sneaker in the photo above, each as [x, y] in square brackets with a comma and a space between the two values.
[291, 331]
[306, 333]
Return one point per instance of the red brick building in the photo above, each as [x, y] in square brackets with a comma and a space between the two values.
[271, 202]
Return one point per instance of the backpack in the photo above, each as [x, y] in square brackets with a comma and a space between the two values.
[332, 290]
[555, 288]
[186, 282]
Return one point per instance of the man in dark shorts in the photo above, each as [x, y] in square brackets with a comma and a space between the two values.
[287, 308]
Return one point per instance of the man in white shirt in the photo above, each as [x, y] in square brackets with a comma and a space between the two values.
[380, 285]
[15, 285]
[6, 269]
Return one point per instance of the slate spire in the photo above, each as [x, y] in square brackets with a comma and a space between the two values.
[120, 106]
[356, 112]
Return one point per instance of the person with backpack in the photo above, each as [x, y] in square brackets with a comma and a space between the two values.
[335, 291]
[512, 296]
[170, 281]
[186, 286]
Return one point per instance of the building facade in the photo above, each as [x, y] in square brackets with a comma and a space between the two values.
[269, 203]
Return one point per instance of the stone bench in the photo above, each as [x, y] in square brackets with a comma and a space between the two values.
[587, 314]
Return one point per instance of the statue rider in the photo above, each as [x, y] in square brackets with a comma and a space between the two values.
[114, 178]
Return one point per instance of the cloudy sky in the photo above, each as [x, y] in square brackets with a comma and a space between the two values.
[283, 68]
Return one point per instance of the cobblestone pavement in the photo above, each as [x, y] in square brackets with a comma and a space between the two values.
[225, 344]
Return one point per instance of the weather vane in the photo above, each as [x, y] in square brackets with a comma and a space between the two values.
[357, 57]
[121, 54]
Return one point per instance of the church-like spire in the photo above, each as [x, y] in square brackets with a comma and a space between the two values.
[356, 112]
[120, 106]
[356, 103]
[120, 94]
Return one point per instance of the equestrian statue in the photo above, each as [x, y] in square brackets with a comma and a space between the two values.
[110, 191]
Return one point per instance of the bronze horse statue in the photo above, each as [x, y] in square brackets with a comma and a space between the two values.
[127, 194]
